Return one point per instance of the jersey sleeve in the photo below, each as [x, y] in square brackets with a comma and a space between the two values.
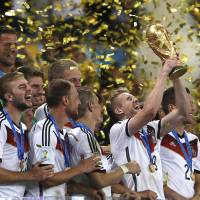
[3, 138]
[42, 146]
[119, 136]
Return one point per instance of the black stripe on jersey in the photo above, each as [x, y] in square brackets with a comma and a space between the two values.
[46, 110]
[40, 190]
[91, 141]
[159, 127]
[126, 128]
[2, 118]
[133, 175]
[46, 133]
[196, 171]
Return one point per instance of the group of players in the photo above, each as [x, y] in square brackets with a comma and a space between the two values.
[48, 145]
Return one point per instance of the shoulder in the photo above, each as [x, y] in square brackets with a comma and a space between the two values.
[2, 118]
[77, 132]
[119, 127]
[41, 112]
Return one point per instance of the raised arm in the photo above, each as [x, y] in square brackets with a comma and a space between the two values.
[153, 101]
[181, 113]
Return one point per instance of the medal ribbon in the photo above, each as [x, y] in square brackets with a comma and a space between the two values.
[187, 156]
[63, 143]
[145, 140]
[19, 142]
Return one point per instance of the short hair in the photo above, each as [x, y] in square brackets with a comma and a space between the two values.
[8, 30]
[56, 90]
[5, 81]
[169, 98]
[56, 70]
[111, 104]
[30, 72]
[86, 95]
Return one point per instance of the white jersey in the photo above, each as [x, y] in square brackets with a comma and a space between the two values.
[83, 143]
[45, 146]
[126, 147]
[41, 112]
[175, 169]
[9, 158]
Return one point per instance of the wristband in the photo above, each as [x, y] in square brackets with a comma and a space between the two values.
[124, 169]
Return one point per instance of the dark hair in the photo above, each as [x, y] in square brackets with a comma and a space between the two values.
[56, 90]
[30, 72]
[169, 98]
[56, 70]
[86, 95]
[5, 81]
[8, 30]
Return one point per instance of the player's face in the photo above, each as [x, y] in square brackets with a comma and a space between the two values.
[74, 101]
[8, 49]
[128, 104]
[36, 83]
[97, 110]
[74, 76]
[21, 94]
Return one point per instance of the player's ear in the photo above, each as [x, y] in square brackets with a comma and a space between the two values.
[171, 107]
[118, 111]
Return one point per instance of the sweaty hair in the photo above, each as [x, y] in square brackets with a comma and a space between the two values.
[86, 96]
[111, 104]
[30, 72]
[56, 71]
[56, 90]
[5, 29]
[5, 82]
[169, 98]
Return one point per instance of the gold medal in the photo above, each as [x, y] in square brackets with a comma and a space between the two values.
[192, 176]
[21, 165]
[152, 168]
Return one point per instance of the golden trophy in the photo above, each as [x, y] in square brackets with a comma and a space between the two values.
[159, 41]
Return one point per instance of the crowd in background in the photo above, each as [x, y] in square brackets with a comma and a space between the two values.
[48, 143]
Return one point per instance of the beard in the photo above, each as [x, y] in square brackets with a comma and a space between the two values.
[20, 105]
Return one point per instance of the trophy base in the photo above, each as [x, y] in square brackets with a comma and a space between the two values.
[178, 72]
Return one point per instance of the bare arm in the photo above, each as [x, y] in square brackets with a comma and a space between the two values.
[101, 180]
[77, 188]
[197, 187]
[153, 101]
[85, 166]
[36, 174]
[179, 115]
[182, 99]
[171, 194]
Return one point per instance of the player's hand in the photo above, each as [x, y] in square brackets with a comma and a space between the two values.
[40, 173]
[130, 195]
[98, 195]
[170, 64]
[133, 167]
[90, 164]
[148, 194]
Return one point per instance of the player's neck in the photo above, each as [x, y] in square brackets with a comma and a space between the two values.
[180, 129]
[14, 113]
[88, 121]
[5, 69]
[59, 115]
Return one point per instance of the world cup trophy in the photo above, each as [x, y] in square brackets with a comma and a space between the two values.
[159, 40]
